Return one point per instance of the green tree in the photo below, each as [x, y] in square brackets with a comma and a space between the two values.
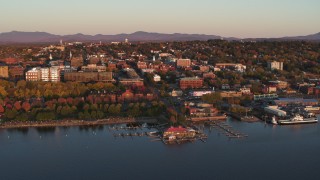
[22, 117]
[11, 113]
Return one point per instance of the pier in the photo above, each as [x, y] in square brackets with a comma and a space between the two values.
[227, 129]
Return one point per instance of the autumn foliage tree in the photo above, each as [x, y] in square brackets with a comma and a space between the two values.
[26, 106]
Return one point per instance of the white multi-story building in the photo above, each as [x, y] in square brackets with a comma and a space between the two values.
[45, 74]
[51, 74]
[33, 75]
[54, 74]
[275, 65]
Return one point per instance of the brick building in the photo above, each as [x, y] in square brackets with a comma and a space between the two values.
[88, 76]
[142, 65]
[183, 62]
[10, 60]
[191, 82]
[94, 68]
[16, 72]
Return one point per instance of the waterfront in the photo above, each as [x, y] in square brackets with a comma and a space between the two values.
[270, 152]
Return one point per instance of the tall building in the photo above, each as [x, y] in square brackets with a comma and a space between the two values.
[51, 74]
[54, 74]
[183, 62]
[33, 75]
[4, 72]
[275, 65]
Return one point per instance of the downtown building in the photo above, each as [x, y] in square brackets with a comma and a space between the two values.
[51, 74]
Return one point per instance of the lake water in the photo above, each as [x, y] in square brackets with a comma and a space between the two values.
[270, 152]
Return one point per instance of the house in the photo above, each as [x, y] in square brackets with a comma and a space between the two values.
[156, 78]
[275, 65]
[269, 89]
[225, 87]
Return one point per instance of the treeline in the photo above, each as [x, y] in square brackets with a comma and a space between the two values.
[78, 109]
[49, 90]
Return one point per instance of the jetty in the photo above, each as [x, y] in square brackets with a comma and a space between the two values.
[227, 129]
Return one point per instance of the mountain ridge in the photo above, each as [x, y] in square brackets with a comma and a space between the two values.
[45, 37]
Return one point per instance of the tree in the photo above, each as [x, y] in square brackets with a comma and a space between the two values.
[45, 116]
[1, 109]
[11, 113]
[22, 117]
[93, 114]
[3, 92]
[86, 115]
[17, 105]
[26, 106]
[212, 98]
[100, 115]
[134, 111]
[65, 111]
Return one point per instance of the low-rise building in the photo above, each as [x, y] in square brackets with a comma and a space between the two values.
[191, 82]
[88, 76]
[183, 62]
[210, 75]
[178, 132]
[156, 78]
[142, 65]
[200, 93]
[275, 65]
[279, 84]
[304, 102]
[4, 71]
[245, 90]
[233, 66]
[269, 89]
[16, 72]
[94, 68]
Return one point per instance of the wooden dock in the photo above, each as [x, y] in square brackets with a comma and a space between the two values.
[227, 129]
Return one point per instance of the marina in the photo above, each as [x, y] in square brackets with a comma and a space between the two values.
[226, 129]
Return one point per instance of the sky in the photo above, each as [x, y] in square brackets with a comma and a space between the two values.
[228, 18]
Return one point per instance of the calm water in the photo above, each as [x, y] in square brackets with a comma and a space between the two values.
[270, 152]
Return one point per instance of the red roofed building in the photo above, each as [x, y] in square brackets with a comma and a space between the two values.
[178, 132]
[10, 61]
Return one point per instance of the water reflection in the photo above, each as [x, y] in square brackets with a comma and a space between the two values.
[91, 128]
[23, 131]
[46, 130]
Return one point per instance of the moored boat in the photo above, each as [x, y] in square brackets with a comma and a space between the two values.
[298, 119]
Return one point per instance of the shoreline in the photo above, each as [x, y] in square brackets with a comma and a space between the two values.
[70, 123]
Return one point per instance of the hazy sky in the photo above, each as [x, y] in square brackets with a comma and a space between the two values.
[237, 18]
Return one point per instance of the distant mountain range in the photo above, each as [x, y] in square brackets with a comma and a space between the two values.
[44, 37]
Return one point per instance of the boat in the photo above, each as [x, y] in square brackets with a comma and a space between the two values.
[298, 119]
[273, 120]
